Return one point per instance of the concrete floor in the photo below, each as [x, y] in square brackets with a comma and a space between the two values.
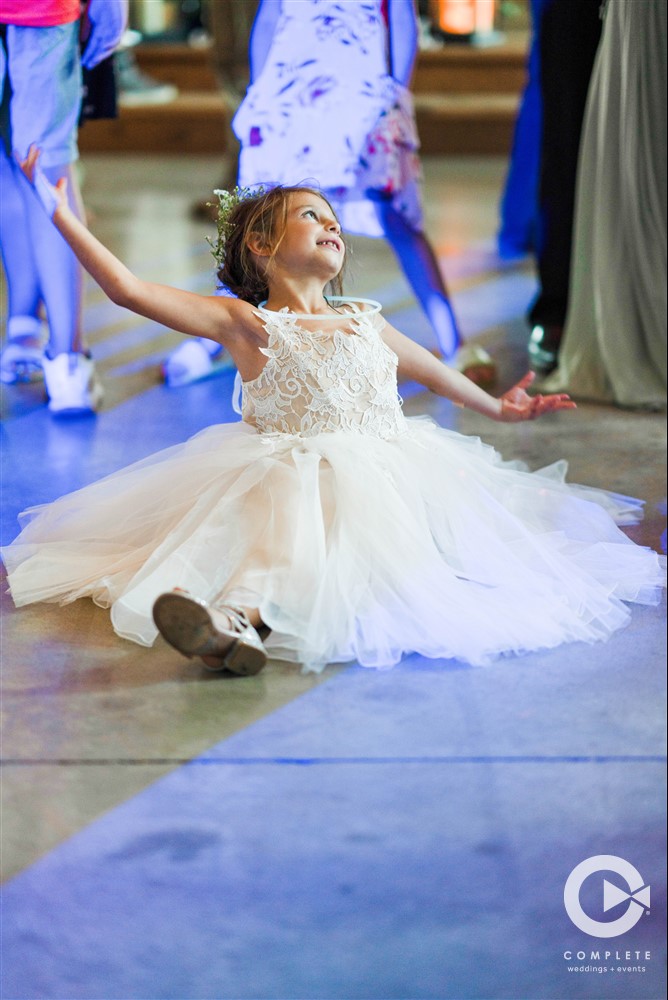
[404, 834]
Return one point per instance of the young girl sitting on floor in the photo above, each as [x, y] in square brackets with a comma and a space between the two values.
[325, 526]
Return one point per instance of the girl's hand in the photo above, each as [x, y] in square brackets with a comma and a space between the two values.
[51, 197]
[517, 405]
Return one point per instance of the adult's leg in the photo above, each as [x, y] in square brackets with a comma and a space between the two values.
[45, 73]
[519, 201]
[45, 76]
[419, 264]
[59, 271]
[21, 358]
[569, 34]
[23, 292]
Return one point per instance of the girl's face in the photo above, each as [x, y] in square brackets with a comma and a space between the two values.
[311, 241]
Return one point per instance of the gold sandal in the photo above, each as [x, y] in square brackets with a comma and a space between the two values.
[478, 366]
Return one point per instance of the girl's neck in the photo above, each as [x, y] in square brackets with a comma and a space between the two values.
[298, 297]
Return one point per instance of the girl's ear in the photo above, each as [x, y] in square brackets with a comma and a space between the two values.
[258, 244]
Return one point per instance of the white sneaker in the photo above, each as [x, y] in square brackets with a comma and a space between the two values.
[193, 361]
[71, 384]
[21, 358]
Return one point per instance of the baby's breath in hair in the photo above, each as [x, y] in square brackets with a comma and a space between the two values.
[227, 202]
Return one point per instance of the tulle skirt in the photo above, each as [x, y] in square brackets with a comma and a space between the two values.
[351, 546]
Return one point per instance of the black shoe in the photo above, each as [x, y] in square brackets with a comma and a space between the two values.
[544, 348]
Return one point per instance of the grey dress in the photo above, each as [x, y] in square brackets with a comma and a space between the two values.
[614, 346]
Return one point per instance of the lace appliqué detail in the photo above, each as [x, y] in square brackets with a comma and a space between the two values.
[325, 379]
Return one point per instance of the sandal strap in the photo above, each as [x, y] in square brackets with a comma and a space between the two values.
[239, 620]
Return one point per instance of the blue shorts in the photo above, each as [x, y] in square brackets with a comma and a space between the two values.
[40, 80]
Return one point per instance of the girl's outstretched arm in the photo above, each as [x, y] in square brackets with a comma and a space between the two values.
[418, 365]
[226, 320]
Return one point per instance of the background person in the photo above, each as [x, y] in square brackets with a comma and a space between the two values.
[614, 346]
[328, 103]
[568, 37]
[41, 80]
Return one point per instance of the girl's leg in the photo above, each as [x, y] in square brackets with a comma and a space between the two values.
[252, 614]
[222, 619]
[420, 266]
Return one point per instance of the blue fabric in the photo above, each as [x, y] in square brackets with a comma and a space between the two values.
[517, 233]
[43, 68]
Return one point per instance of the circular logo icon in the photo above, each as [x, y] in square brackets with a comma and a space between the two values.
[637, 896]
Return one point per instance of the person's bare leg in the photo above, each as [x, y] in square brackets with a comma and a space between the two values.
[419, 264]
[255, 618]
[252, 614]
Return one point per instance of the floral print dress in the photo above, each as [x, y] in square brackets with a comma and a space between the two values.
[326, 112]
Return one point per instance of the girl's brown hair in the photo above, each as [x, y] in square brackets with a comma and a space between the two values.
[263, 216]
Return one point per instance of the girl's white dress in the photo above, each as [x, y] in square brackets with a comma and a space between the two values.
[360, 534]
[325, 111]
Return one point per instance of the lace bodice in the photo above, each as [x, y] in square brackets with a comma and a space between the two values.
[325, 374]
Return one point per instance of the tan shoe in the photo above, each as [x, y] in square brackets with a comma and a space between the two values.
[473, 361]
[222, 636]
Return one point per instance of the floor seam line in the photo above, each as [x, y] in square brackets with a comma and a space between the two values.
[318, 761]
